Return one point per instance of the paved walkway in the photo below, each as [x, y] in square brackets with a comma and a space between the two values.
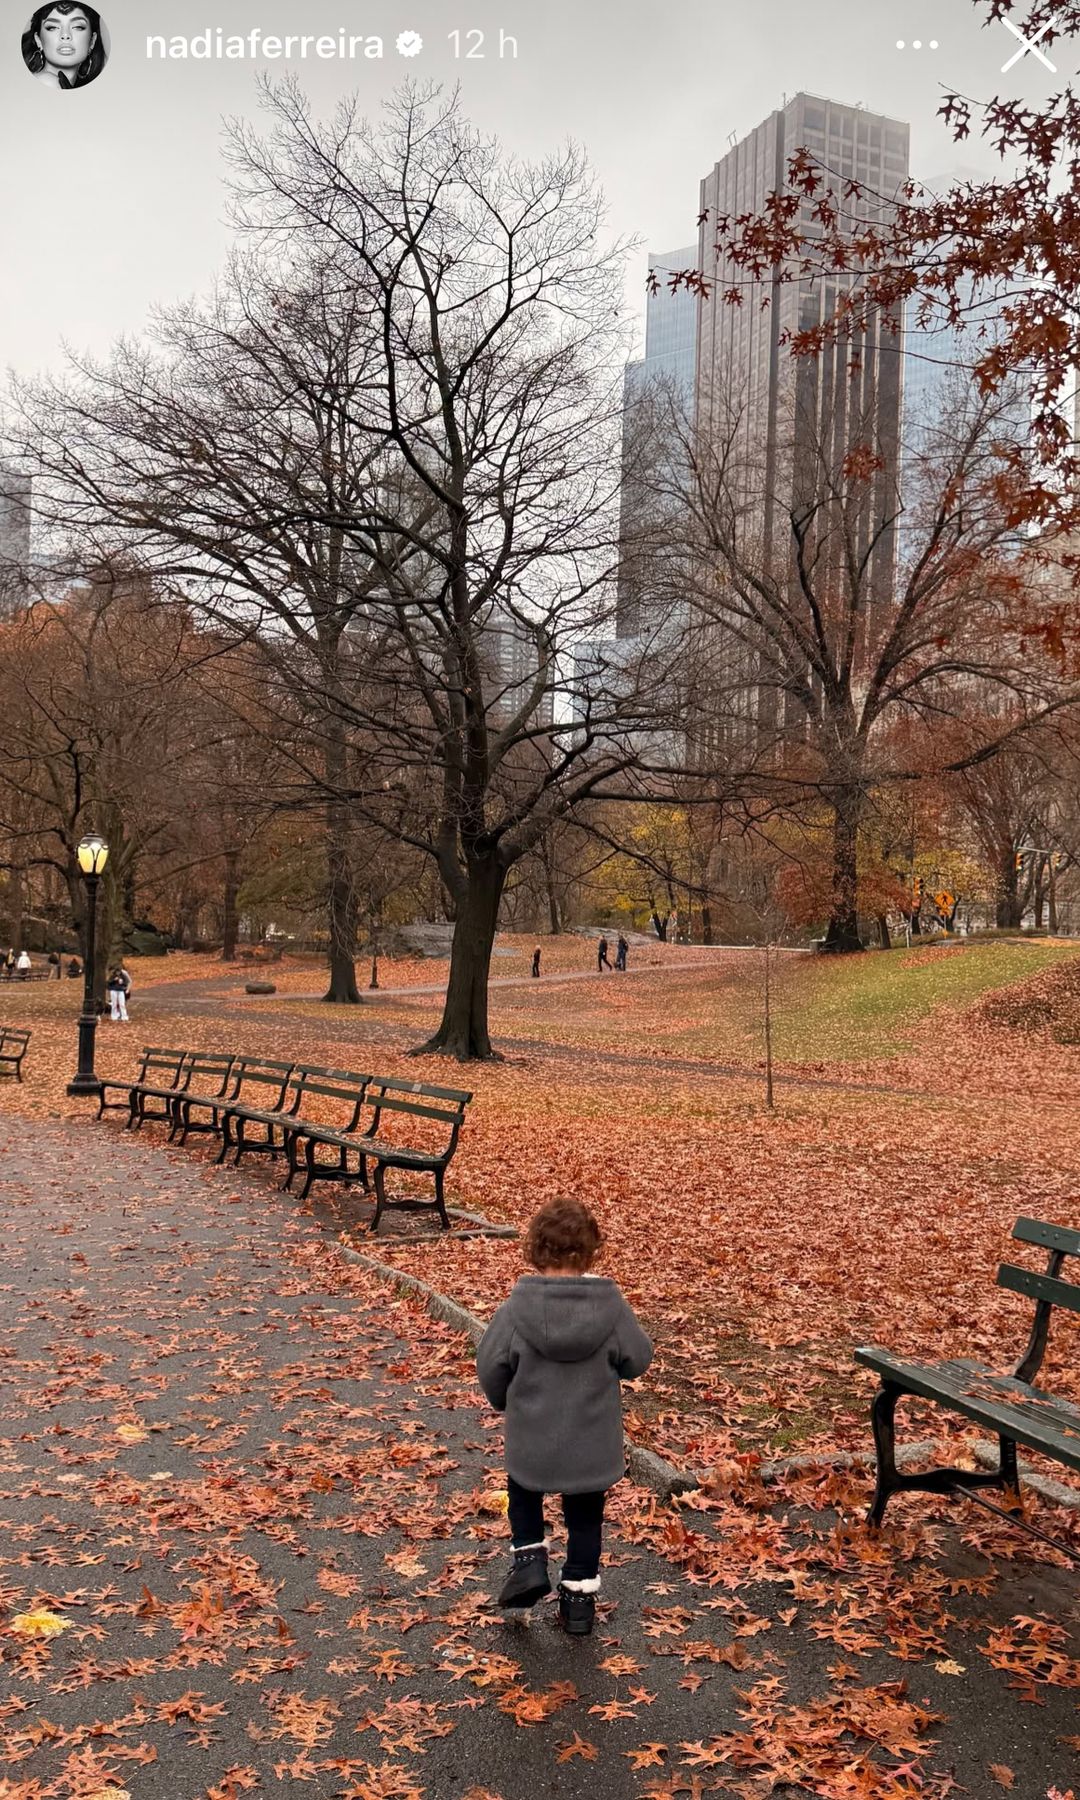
[244, 1547]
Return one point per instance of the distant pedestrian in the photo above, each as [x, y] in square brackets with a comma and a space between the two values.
[552, 1359]
[536, 963]
[54, 964]
[117, 991]
[74, 968]
[602, 956]
[9, 962]
[24, 965]
[622, 949]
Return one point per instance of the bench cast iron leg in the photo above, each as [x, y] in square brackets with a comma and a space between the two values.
[380, 1195]
[882, 1420]
[290, 1152]
[440, 1199]
[309, 1159]
[933, 1481]
[226, 1140]
[1009, 1473]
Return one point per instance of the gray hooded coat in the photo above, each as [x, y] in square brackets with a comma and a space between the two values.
[552, 1360]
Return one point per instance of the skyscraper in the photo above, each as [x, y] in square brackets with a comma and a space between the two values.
[792, 422]
[671, 319]
[667, 370]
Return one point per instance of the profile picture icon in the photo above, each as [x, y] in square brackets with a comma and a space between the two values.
[65, 45]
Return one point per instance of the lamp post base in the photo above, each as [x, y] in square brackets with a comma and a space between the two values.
[85, 1084]
[86, 1079]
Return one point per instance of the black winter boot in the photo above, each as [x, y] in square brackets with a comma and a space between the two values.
[528, 1580]
[577, 1610]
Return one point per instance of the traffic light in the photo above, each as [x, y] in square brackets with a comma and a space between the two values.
[916, 891]
[1019, 861]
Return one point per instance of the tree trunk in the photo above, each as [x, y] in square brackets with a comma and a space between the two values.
[1010, 905]
[554, 921]
[1051, 900]
[842, 934]
[706, 922]
[343, 990]
[769, 1100]
[463, 1031]
[230, 916]
[1040, 893]
[17, 903]
[884, 939]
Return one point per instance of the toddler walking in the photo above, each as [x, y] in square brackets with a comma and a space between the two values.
[552, 1360]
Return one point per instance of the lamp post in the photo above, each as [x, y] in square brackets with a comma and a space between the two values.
[92, 855]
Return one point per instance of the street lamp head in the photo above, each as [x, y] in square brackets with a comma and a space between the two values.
[93, 854]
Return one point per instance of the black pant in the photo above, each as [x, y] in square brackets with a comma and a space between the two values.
[584, 1517]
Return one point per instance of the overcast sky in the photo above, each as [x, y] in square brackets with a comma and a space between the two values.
[112, 199]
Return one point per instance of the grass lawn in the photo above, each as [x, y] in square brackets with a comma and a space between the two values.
[868, 1006]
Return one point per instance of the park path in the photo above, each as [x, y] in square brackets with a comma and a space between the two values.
[243, 1486]
[353, 1026]
[210, 988]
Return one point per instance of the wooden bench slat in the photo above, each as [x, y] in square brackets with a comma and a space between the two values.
[335, 1093]
[387, 1103]
[1039, 1287]
[458, 1095]
[1018, 1421]
[960, 1374]
[1050, 1237]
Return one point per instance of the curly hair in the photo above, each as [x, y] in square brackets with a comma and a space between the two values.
[563, 1235]
[91, 66]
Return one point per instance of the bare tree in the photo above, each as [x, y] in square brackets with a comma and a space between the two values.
[817, 650]
[387, 449]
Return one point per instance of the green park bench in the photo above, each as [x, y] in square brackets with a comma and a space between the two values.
[411, 1102]
[160, 1075]
[13, 1047]
[1009, 1406]
[191, 1101]
[269, 1107]
[343, 1088]
[277, 1082]
[206, 1079]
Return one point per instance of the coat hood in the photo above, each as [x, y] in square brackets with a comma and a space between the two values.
[565, 1317]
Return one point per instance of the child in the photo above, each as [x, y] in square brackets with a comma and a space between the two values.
[552, 1360]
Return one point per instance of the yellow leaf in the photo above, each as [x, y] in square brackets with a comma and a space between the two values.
[948, 1667]
[41, 1623]
[496, 1502]
[130, 1433]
